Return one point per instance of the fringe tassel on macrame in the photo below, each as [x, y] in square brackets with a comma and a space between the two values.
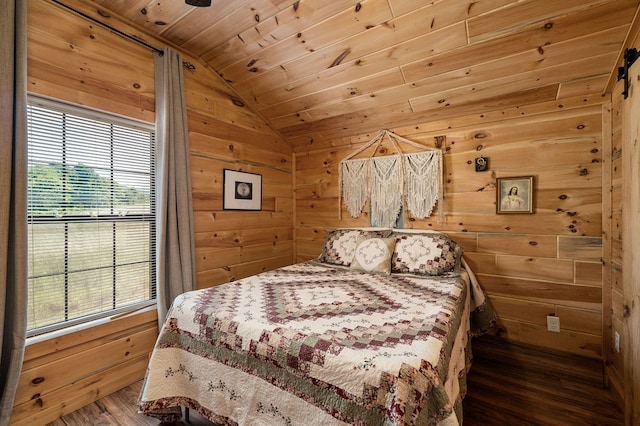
[421, 170]
[386, 190]
[354, 176]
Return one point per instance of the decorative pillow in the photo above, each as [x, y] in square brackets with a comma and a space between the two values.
[425, 254]
[373, 255]
[340, 244]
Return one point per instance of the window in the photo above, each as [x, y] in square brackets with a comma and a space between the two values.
[91, 215]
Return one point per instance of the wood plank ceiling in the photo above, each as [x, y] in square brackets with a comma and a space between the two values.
[332, 68]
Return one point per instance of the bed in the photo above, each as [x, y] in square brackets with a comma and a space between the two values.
[376, 331]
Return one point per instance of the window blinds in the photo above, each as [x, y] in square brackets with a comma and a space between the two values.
[91, 215]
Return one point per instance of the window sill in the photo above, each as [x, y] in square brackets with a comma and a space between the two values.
[90, 330]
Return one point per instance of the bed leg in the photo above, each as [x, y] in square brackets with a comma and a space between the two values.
[186, 414]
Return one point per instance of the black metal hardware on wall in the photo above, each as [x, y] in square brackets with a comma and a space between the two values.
[630, 56]
[198, 3]
[109, 27]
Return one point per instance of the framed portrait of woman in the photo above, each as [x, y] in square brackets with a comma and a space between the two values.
[514, 195]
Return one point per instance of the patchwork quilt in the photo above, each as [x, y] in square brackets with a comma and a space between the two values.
[317, 343]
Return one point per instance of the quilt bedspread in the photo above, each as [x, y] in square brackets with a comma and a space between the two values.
[314, 343]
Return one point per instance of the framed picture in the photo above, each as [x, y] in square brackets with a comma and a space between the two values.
[514, 195]
[241, 190]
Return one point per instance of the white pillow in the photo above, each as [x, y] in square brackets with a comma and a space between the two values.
[373, 255]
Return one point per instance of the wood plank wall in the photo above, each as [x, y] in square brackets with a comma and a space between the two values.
[622, 269]
[65, 373]
[612, 244]
[224, 134]
[621, 283]
[630, 248]
[77, 61]
[530, 265]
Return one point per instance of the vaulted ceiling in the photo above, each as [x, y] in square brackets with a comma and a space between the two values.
[333, 68]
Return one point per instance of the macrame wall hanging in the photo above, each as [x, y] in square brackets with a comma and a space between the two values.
[389, 182]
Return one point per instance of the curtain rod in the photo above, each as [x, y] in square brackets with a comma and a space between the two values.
[109, 27]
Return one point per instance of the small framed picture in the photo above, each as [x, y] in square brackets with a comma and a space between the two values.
[514, 195]
[241, 190]
[482, 164]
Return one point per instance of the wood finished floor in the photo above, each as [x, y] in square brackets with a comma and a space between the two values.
[509, 385]
[518, 385]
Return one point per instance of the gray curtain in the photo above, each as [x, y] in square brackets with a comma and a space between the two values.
[175, 243]
[13, 198]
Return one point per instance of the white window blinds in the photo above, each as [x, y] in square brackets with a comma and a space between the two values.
[91, 215]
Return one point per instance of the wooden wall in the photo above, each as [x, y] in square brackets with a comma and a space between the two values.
[630, 249]
[73, 59]
[224, 134]
[530, 265]
[612, 244]
[622, 270]
[69, 371]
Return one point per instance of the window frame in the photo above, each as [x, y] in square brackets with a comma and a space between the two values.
[113, 218]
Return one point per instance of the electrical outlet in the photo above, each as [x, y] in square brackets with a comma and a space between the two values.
[617, 341]
[553, 323]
